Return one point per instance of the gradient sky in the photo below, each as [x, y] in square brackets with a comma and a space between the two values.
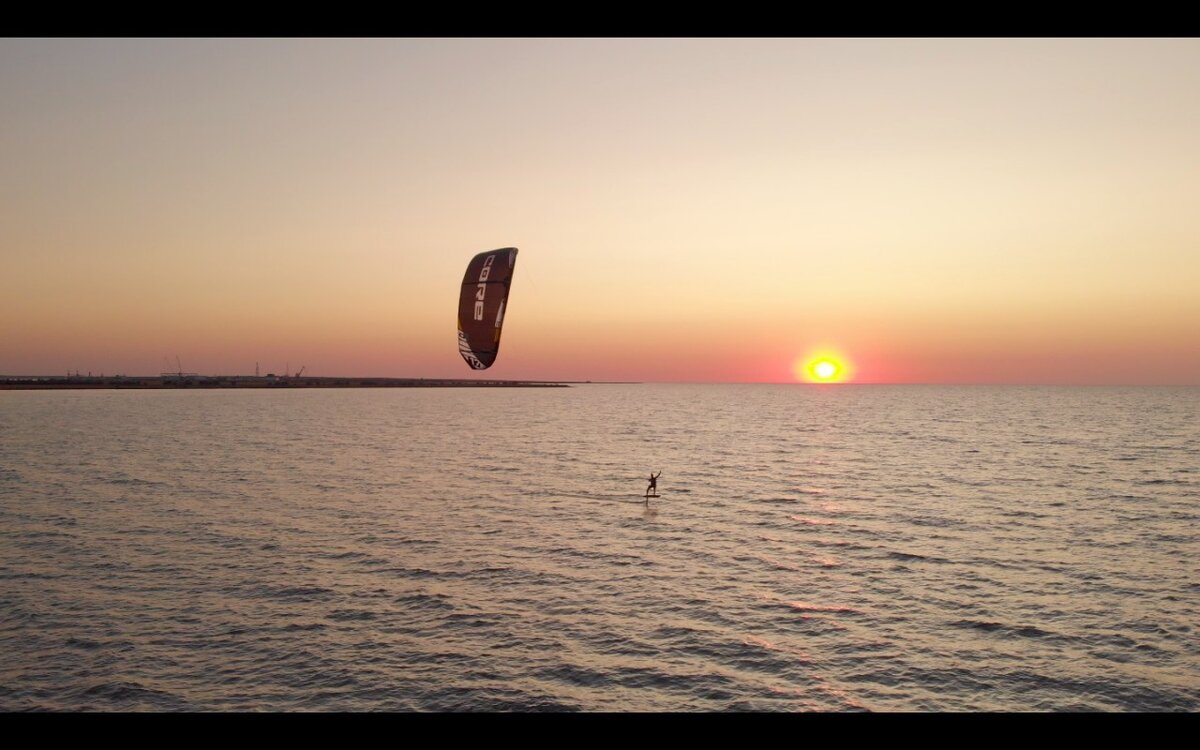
[938, 211]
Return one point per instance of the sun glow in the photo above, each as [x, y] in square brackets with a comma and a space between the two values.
[822, 367]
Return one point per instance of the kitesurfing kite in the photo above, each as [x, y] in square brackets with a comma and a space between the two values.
[481, 305]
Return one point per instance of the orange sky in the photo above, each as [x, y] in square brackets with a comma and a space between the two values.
[686, 210]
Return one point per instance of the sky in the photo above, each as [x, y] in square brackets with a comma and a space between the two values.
[686, 210]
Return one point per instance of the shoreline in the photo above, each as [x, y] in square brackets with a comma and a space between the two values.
[123, 382]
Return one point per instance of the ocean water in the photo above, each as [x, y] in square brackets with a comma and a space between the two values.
[815, 548]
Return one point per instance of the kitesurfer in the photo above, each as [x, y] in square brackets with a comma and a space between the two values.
[652, 489]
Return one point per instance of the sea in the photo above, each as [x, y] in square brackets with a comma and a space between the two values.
[815, 548]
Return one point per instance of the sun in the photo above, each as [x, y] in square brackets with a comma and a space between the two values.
[822, 367]
[825, 370]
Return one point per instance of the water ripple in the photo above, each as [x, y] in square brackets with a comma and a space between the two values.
[850, 549]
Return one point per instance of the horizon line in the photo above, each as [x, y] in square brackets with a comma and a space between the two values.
[1126, 384]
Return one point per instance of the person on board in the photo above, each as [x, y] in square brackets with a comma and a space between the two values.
[652, 488]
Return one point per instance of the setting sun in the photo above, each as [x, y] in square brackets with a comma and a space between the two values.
[822, 367]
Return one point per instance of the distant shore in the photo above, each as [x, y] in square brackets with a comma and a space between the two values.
[61, 382]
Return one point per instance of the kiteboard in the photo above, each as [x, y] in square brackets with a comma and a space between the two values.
[652, 495]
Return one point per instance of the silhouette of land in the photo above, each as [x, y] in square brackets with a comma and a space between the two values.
[188, 380]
